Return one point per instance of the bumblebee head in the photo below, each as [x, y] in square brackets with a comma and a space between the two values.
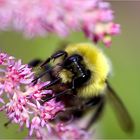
[88, 59]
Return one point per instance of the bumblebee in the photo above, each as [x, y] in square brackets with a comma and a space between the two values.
[79, 77]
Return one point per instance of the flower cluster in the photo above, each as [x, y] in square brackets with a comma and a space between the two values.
[64, 132]
[70, 132]
[40, 17]
[23, 102]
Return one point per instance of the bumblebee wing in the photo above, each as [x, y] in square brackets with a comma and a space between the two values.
[122, 114]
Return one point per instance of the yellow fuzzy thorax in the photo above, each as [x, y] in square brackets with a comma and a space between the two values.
[94, 60]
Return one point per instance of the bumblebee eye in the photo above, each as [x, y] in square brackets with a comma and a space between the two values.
[73, 58]
[76, 57]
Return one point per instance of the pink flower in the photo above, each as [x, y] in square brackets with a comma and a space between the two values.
[14, 73]
[60, 17]
[6, 14]
[24, 104]
[71, 132]
[3, 58]
[60, 131]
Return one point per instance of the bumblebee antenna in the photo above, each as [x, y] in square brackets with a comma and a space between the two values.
[51, 83]
[41, 75]
[57, 95]
[54, 56]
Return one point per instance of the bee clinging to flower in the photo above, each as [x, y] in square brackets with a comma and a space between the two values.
[79, 77]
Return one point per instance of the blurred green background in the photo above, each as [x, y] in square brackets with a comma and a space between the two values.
[124, 54]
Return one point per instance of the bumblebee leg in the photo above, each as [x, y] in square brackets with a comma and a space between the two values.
[89, 104]
[43, 73]
[97, 102]
[97, 114]
[52, 83]
[34, 63]
[54, 56]
[57, 95]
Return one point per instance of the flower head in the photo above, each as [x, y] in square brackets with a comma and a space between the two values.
[71, 132]
[41, 17]
[24, 104]
[61, 132]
